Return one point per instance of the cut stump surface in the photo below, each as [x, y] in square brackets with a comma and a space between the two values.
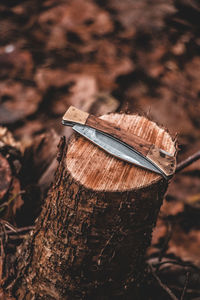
[97, 170]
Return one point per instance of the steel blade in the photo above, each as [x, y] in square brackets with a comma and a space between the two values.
[115, 147]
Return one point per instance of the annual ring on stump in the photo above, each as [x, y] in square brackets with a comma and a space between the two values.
[95, 169]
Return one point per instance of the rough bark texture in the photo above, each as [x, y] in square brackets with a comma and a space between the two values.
[90, 239]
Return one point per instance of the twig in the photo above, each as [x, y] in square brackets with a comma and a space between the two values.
[185, 285]
[2, 206]
[17, 230]
[8, 225]
[189, 291]
[170, 293]
[188, 161]
[174, 262]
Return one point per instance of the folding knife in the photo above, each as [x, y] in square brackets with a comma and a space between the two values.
[120, 143]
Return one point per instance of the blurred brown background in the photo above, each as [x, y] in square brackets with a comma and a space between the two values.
[101, 56]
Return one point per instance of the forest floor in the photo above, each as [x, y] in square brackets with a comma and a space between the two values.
[101, 56]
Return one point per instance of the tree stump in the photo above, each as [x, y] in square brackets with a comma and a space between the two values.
[90, 239]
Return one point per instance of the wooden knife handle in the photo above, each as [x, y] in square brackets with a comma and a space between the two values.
[132, 140]
[74, 115]
[163, 161]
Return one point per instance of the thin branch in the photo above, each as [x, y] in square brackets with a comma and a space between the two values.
[13, 198]
[8, 225]
[17, 230]
[188, 161]
[165, 287]
[185, 285]
[189, 291]
[175, 262]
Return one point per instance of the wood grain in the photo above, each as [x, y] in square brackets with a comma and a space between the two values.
[133, 140]
[97, 170]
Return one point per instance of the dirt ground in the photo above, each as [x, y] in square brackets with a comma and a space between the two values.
[101, 56]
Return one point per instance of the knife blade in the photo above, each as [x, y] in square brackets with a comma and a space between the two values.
[120, 143]
[113, 147]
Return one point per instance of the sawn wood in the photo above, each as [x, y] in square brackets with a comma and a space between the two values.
[166, 163]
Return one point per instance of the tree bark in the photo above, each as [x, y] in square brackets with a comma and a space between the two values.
[90, 239]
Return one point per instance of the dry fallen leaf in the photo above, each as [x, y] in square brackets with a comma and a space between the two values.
[17, 101]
